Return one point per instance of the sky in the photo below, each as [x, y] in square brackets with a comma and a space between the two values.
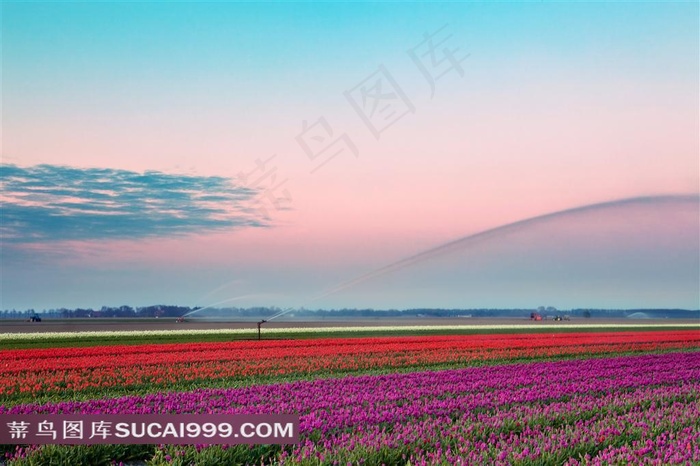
[264, 154]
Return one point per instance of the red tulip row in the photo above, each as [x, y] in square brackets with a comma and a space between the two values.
[114, 356]
[59, 369]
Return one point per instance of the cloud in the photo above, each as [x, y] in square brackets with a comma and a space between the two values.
[47, 203]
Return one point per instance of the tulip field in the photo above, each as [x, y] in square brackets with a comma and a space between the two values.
[563, 398]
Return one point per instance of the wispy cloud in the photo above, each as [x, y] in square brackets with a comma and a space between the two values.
[55, 203]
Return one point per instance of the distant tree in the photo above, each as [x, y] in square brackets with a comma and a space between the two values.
[82, 313]
[586, 314]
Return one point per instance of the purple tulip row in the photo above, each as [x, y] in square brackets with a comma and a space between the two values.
[619, 426]
[636, 409]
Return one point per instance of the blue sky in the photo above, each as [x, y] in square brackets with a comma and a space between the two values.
[558, 105]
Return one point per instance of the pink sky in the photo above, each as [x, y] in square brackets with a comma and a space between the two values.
[545, 118]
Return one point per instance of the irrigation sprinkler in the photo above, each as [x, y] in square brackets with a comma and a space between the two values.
[259, 324]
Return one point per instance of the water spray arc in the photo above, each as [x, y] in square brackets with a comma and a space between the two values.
[210, 306]
[690, 199]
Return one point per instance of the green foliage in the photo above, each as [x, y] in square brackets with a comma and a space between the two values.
[93, 455]
[180, 455]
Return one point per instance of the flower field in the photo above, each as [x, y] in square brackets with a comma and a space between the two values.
[635, 409]
[522, 399]
[58, 370]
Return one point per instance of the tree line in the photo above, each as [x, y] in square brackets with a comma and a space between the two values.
[163, 310]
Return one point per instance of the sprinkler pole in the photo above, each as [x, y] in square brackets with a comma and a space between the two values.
[259, 324]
